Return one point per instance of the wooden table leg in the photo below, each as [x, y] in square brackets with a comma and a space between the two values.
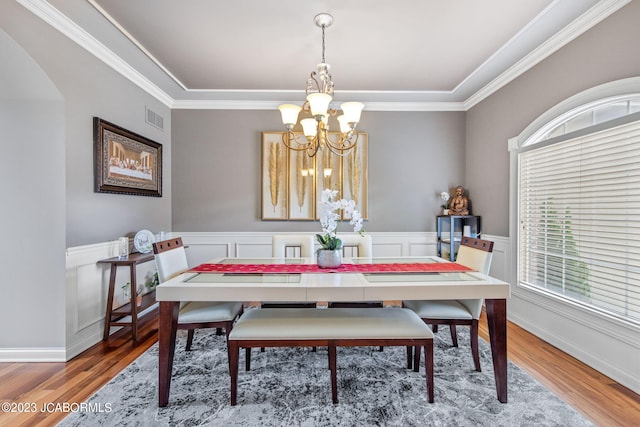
[334, 372]
[167, 327]
[497, 322]
[233, 353]
[134, 303]
[107, 316]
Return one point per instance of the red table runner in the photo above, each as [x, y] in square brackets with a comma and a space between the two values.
[436, 267]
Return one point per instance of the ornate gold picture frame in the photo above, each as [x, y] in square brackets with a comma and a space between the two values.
[125, 162]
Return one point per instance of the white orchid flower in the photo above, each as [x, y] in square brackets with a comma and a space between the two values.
[330, 217]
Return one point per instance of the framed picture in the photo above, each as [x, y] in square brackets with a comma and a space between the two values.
[329, 176]
[125, 162]
[355, 170]
[292, 182]
[302, 173]
[275, 169]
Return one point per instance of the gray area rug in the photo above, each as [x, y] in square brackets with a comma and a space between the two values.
[291, 387]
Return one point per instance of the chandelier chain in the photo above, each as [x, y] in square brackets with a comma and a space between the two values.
[323, 61]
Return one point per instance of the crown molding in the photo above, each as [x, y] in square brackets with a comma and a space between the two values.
[415, 106]
[52, 16]
[273, 105]
[586, 21]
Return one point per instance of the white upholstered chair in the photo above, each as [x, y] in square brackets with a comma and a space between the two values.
[292, 245]
[171, 260]
[475, 254]
[356, 245]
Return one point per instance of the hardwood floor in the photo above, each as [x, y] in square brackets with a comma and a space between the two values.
[596, 396]
[71, 382]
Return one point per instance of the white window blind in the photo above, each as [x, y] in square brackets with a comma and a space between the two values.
[579, 217]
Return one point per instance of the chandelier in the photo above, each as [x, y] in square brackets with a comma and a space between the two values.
[316, 108]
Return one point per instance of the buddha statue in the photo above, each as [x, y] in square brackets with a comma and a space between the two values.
[459, 204]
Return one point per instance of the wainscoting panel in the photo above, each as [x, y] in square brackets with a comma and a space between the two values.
[501, 257]
[423, 249]
[197, 253]
[206, 246]
[253, 250]
[86, 295]
[86, 288]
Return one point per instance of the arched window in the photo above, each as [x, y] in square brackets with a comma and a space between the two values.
[578, 206]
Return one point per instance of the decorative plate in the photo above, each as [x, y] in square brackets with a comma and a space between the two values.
[143, 241]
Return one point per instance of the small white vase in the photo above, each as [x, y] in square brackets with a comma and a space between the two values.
[445, 211]
[329, 259]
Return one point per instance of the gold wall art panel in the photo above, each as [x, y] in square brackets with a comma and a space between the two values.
[275, 172]
[292, 182]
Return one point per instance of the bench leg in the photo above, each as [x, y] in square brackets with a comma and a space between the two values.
[416, 359]
[454, 335]
[428, 367]
[334, 374]
[409, 357]
[247, 359]
[233, 371]
[189, 339]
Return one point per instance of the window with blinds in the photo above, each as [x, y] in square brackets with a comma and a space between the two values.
[579, 218]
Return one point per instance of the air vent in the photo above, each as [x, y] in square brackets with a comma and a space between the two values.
[154, 119]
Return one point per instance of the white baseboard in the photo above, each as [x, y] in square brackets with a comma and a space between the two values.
[41, 354]
[605, 344]
[596, 362]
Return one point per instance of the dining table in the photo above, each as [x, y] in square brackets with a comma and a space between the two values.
[357, 280]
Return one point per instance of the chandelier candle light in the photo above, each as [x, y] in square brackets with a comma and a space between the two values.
[319, 96]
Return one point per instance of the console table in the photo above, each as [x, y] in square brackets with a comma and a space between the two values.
[117, 316]
[450, 230]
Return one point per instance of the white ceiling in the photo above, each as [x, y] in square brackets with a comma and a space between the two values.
[402, 54]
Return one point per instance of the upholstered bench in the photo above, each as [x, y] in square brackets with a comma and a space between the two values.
[332, 327]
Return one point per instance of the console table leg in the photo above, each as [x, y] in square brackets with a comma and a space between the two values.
[107, 316]
[134, 306]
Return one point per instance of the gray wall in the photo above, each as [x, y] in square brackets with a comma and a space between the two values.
[32, 194]
[51, 88]
[217, 169]
[91, 88]
[607, 52]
